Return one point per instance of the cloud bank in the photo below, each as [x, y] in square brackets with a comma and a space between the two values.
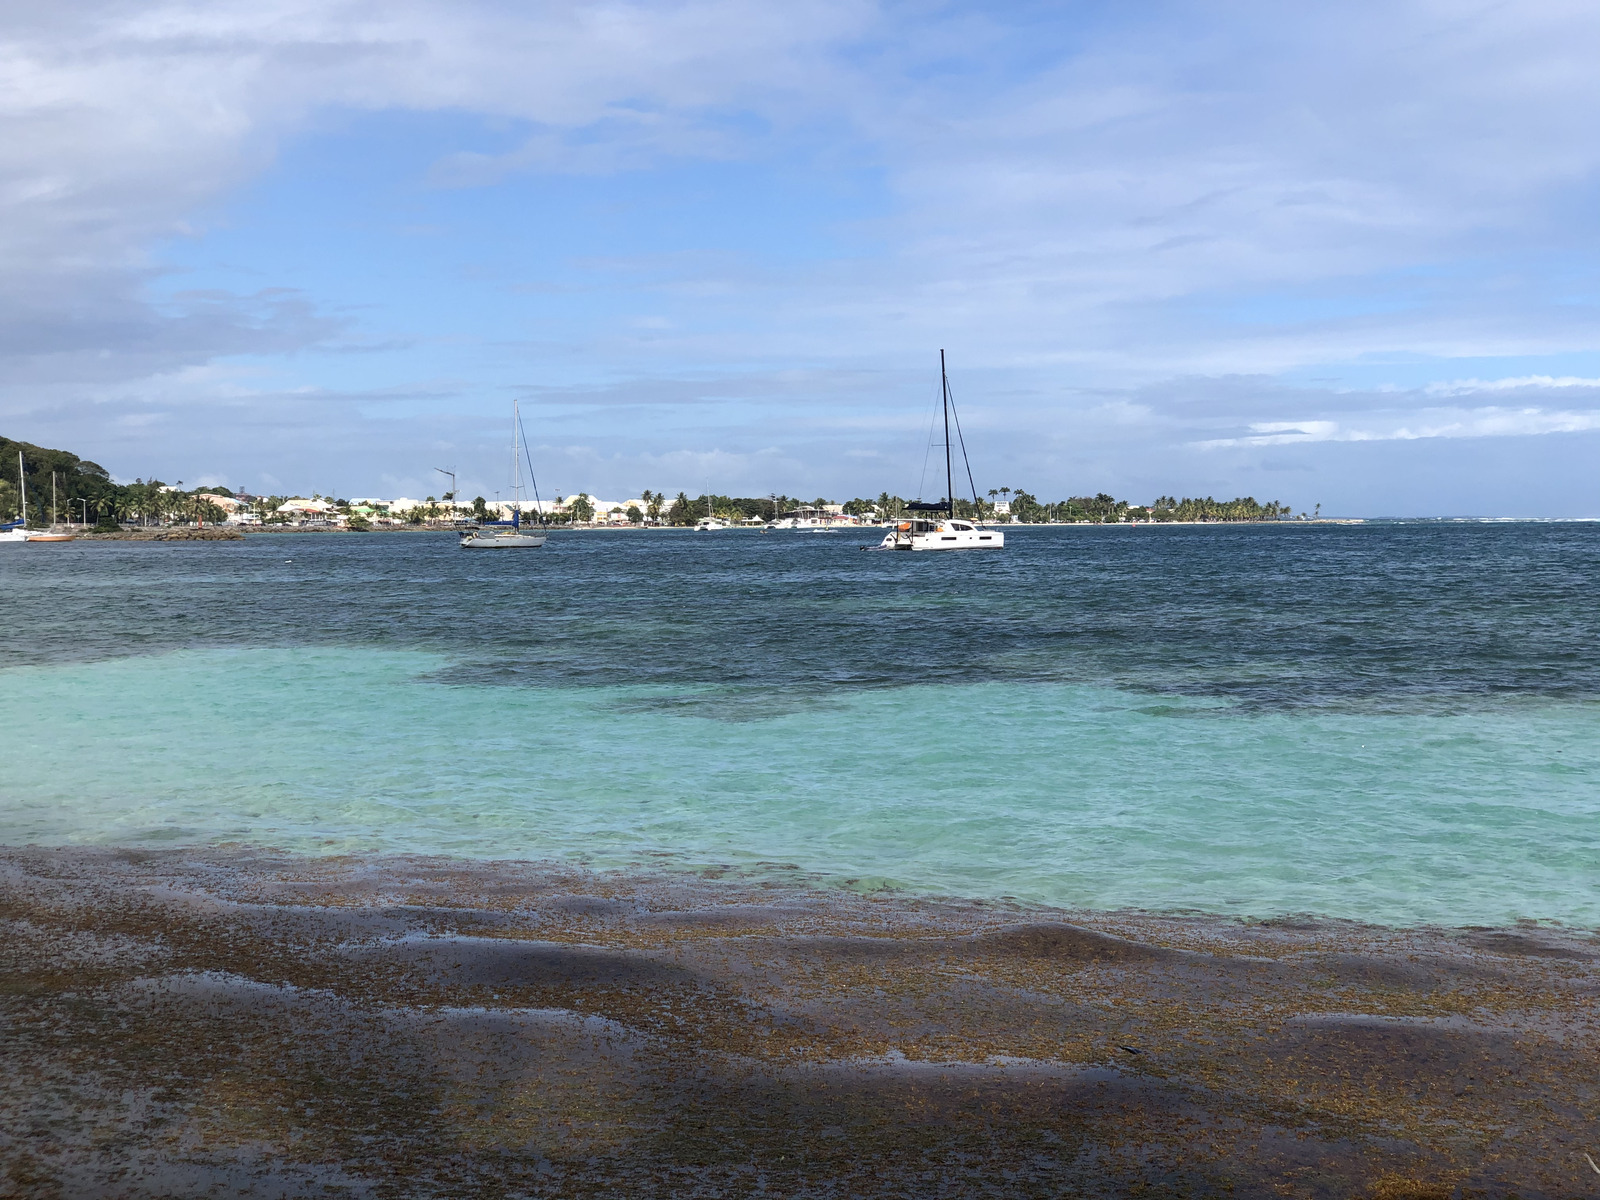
[1122, 221]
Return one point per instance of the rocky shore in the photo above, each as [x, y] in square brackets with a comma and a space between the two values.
[210, 1023]
[209, 533]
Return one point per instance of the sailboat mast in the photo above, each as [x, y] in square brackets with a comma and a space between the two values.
[516, 467]
[949, 477]
[22, 482]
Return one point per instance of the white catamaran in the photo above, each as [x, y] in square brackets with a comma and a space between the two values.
[510, 535]
[921, 528]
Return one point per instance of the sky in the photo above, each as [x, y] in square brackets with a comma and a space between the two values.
[1322, 253]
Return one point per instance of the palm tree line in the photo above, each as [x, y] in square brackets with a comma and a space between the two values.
[85, 492]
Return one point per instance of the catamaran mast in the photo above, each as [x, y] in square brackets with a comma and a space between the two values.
[949, 477]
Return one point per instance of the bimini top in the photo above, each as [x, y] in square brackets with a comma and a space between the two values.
[925, 506]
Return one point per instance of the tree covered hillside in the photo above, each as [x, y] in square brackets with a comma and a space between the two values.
[76, 480]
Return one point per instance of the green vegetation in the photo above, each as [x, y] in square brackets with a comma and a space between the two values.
[1025, 508]
[80, 486]
[85, 492]
[1028, 509]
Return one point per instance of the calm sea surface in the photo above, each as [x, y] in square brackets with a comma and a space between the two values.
[1397, 723]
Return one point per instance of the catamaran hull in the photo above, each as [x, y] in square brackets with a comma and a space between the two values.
[503, 541]
[974, 539]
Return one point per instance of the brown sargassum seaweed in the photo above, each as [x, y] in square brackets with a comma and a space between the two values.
[230, 1022]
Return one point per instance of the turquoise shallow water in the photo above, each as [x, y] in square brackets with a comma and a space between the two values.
[376, 696]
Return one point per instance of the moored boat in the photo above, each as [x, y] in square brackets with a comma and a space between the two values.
[510, 535]
[936, 526]
[17, 531]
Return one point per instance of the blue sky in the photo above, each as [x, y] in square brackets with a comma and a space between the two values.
[1338, 253]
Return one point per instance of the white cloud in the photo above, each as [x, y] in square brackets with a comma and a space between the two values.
[1412, 426]
[1461, 387]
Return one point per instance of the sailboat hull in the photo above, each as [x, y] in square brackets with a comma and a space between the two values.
[502, 541]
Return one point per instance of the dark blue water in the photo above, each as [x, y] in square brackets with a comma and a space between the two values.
[1387, 615]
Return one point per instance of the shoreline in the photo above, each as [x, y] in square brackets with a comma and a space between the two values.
[424, 1026]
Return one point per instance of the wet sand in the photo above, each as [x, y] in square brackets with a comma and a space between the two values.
[238, 1023]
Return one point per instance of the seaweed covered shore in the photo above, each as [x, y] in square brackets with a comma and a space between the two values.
[232, 1022]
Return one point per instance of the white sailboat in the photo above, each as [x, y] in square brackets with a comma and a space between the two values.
[17, 531]
[55, 533]
[710, 523]
[509, 535]
[921, 528]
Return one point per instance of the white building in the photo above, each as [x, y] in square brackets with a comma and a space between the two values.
[310, 512]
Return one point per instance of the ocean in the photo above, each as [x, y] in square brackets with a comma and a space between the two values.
[1390, 722]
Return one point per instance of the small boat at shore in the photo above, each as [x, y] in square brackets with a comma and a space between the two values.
[18, 531]
[56, 533]
[510, 535]
[922, 528]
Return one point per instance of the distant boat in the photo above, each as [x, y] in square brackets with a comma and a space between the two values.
[55, 533]
[710, 523]
[509, 535]
[17, 531]
[920, 528]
